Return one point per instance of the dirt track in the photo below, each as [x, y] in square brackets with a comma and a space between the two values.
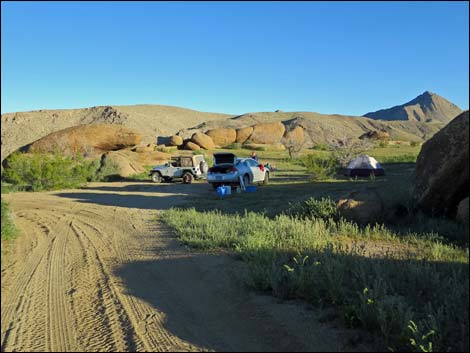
[95, 271]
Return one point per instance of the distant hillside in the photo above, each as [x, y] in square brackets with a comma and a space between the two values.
[427, 107]
[324, 128]
[152, 121]
[20, 129]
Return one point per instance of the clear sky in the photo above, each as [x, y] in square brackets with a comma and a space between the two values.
[233, 57]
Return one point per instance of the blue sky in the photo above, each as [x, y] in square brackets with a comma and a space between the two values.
[233, 57]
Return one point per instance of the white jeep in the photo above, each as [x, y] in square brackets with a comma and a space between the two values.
[187, 168]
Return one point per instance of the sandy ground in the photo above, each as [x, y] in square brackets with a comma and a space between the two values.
[94, 270]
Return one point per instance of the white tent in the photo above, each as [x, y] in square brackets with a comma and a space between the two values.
[364, 165]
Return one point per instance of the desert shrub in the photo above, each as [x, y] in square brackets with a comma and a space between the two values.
[414, 143]
[404, 158]
[383, 144]
[234, 146]
[320, 168]
[312, 208]
[107, 171]
[344, 150]
[321, 147]
[9, 230]
[164, 149]
[411, 300]
[41, 171]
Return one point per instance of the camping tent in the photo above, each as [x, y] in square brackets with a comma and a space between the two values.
[364, 165]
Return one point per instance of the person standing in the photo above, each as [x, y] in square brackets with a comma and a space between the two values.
[254, 156]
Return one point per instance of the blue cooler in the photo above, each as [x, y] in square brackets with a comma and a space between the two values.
[224, 191]
[251, 188]
[221, 191]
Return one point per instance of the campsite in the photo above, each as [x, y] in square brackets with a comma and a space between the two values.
[235, 176]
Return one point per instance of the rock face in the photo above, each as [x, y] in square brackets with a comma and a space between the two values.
[427, 107]
[243, 134]
[364, 206]
[267, 133]
[191, 146]
[442, 169]
[203, 141]
[176, 140]
[375, 135]
[295, 136]
[463, 212]
[143, 149]
[87, 140]
[222, 137]
[128, 162]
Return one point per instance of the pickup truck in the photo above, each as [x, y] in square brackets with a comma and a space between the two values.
[228, 169]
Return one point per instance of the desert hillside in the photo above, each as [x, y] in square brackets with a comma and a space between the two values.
[23, 128]
[323, 128]
[427, 107]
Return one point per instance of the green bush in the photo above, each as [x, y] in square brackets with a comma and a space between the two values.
[404, 158]
[108, 171]
[383, 144]
[321, 147]
[412, 299]
[312, 208]
[9, 231]
[320, 168]
[235, 146]
[40, 171]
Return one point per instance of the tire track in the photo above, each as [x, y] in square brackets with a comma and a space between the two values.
[97, 277]
[112, 329]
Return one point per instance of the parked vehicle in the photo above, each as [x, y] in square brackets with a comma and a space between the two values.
[228, 169]
[187, 168]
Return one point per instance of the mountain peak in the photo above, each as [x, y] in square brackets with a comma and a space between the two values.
[427, 107]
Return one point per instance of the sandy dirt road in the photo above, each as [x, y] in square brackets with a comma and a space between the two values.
[94, 270]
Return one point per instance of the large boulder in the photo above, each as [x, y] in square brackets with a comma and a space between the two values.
[365, 206]
[222, 137]
[442, 169]
[127, 162]
[267, 133]
[375, 135]
[244, 134]
[203, 141]
[191, 146]
[87, 140]
[463, 212]
[294, 137]
[176, 140]
[144, 149]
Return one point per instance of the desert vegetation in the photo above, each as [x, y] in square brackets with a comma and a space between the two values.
[51, 171]
[411, 289]
[9, 230]
[403, 276]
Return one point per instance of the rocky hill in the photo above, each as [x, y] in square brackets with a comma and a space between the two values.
[21, 129]
[324, 128]
[427, 107]
[154, 121]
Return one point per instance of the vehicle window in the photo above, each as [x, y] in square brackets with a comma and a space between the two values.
[252, 162]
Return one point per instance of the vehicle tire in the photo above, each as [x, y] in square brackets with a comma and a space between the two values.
[246, 180]
[188, 178]
[156, 177]
[215, 186]
[266, 178]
